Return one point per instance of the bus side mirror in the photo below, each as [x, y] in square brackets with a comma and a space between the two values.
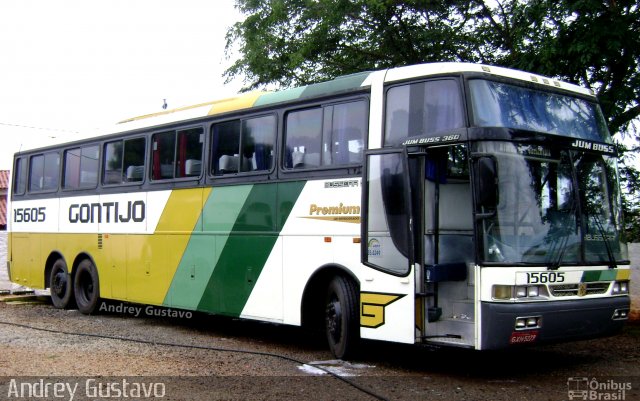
[486, 185]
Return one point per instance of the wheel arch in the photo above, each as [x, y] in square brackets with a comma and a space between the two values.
[79, 258]
[48, 265]
[313, 296]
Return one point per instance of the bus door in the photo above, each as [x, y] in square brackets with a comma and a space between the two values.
[418, 227]
[448, 297]
[389, 246]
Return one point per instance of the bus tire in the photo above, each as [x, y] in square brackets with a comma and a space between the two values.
[86, 287]
[341, 317]
[61, 285]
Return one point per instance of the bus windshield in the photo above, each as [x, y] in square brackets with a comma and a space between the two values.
[554, 207]
[498, 104]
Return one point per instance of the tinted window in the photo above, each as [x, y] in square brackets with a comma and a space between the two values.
[422, 109]
[347, 127]
[243, 145]
[177, 154]
[501, 105]
[43, 172]
[124, 161]
[20, 176]
[81, 167]
[331, 135]
[304, 138]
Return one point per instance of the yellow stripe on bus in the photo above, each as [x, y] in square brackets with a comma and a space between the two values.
[150, 273]
[235, 103]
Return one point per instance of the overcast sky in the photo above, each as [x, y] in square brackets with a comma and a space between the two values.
[71, 68]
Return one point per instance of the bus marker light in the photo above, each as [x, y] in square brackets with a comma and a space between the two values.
[327, 239]
[521, 292]
[620, 314]
[356, 240]
[533, 291]
[620, 287]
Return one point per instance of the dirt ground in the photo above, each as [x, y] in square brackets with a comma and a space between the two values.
[242, 360]
[213, 358]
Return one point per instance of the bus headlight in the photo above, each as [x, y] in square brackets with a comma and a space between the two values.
[620, 287]
[503, 292]
[528, 292]
[507, 292]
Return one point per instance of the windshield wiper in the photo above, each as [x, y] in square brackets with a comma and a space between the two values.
[564, 240]
[605, 239]
[573, 208]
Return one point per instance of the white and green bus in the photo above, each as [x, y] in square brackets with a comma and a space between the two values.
[446, 204]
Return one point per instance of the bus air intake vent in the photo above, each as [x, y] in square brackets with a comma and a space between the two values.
[567, 290]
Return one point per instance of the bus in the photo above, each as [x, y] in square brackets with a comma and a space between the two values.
[449, 204]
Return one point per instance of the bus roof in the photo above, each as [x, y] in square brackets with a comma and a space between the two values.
[341, 84]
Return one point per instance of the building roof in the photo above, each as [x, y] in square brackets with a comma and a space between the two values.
[4, 184]
[3, 211]
[4, 179]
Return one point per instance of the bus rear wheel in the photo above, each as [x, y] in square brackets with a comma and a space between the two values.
[341, 317]
[86, 287]
[61, 286]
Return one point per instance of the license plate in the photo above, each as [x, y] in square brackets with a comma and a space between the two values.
[523, 337]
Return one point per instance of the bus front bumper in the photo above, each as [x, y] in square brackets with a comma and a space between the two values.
[549, 322]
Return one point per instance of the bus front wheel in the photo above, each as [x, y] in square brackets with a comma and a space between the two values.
[61, 286]
[341, 317]
[86, 287]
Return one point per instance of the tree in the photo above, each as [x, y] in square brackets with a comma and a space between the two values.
[593, 43]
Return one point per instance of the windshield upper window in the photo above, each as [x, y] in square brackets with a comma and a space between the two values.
[498, 104]
[422, 109]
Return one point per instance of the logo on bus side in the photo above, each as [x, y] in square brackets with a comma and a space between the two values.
[372, 307]
[107, 212]
[341, 213]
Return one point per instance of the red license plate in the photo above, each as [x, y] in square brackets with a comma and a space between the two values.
[522, 337]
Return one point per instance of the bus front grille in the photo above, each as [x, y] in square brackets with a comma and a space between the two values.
[567, 290]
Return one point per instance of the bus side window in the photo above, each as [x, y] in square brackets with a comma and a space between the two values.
[124, 161]
[164, 146]
[81, 167]
[43, 172]
[332, 135]
[243, 145]
[303, 138]
[345, 125]
[258, 141]
[189, 153]
[422, 109]
[20, 176]
[177, 154]
[225, 147]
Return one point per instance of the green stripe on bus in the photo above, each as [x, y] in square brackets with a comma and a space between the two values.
[344, 83]
[219, 215]
[280, 96]
[249, 245]
[599, 275]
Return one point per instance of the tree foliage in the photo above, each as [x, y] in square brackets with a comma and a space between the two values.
[593, 43]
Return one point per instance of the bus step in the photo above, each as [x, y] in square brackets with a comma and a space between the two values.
[434, 314]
